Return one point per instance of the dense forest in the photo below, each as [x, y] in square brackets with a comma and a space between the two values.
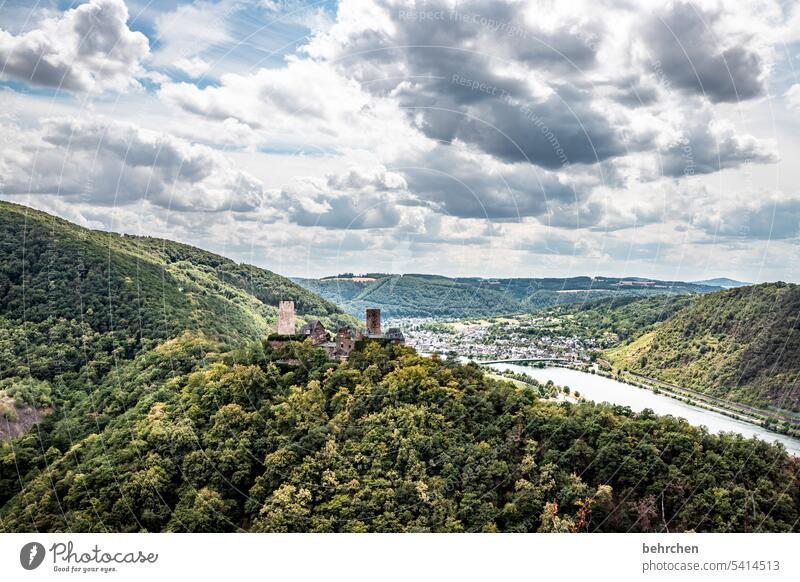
[613, 319]
[145, 397]
[436, 296]
[74, 303]
[187, 438]
[742, 344]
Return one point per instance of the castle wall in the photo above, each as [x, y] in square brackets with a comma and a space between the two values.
[373, 322]
[286, 324]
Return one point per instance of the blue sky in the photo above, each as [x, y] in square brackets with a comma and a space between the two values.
[512, 138]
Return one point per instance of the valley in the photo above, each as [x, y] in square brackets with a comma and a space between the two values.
[587, 338]
[141, 392]
[419, 295]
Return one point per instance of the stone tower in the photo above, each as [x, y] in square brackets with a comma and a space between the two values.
[373, 322]
[286, 318]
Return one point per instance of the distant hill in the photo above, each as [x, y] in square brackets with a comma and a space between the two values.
[417, 295]
[741, 344]
[723, 282]
[624, 317]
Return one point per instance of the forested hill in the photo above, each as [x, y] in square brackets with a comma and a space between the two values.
[56, 273]
[389, 441]
[76, 302]
[158, 414]
[742, 344]
[436, 296]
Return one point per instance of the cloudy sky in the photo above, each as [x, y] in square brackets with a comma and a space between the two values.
[473, 138]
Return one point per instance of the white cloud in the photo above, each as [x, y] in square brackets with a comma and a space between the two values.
[193, 28]
[705, 145]
[194, 67]
[305, 103]
[585, 132]
[309, 15]
[792, 97]
[112, 163]
[360, 198]
[768, 215]
[88, 48]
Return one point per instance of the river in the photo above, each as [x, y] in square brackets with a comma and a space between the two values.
[601, 389]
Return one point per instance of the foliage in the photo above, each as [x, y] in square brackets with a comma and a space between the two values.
[389, 441]
[131, 289]
[73, 302]
[172, 411]
[77, 304]
[622, 317]
[742, 344]
[436, 296]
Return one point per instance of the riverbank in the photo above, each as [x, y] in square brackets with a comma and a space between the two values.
[774, 421]
[606, 388]
[781, 422]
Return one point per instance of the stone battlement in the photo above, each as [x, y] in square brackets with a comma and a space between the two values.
[336, 346]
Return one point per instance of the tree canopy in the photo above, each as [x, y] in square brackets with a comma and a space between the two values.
[187, 438]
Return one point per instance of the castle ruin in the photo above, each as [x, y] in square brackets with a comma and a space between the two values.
[336, 346]
[373, 323]
[286, 318]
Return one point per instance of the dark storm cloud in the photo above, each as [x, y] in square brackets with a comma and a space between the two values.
[560, 48]
[461, 97]
[453, 84]
[503, 26]
[556, 132]
[691, 57]
[456, 185]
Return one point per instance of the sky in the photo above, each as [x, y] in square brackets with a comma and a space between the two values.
[464, 138]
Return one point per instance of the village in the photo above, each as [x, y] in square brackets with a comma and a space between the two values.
[503, 339]
[496, 339]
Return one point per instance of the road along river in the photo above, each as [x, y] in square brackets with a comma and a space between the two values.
[600, 389]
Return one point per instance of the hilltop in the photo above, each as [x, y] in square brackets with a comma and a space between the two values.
[723, 282]
[135, 287]
[742, 344]
[76, 302]
[387, 442]
[417, 295]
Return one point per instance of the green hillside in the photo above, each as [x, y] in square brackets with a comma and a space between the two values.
[742, 344]
[58, 280]
[74, 303]
[619, 318]
[138, 393]
[390, 441]
[435, 296]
